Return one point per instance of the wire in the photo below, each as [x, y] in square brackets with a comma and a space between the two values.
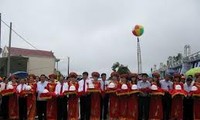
[20, 35]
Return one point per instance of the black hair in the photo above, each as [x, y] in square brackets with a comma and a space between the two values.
[42, 75]
[4, 78]
[103, 74]
[85, 73]
[189, 79]
[144, 74]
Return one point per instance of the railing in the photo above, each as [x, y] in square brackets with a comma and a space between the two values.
[188, 59]
[192, 57]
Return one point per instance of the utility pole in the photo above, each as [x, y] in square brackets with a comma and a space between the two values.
[8, 62]
[0, 34]
[68, 62]
[0, 39]
[57, 60]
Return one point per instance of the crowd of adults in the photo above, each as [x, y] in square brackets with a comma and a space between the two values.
[99, 97]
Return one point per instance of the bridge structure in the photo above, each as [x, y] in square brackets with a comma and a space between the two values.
[180, 63]
[186, 63]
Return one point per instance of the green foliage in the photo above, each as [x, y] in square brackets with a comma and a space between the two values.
[115, 66]
[120, 68]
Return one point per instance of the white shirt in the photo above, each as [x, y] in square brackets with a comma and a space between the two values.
[104, 83]
[58, 88]
[40, 88]
[166, 85]
[141, 84]
[187, 88]
[21, 87]
[10, 83]
[81, 84]
[2, 86]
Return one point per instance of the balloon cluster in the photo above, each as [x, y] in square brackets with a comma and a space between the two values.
[138, 30]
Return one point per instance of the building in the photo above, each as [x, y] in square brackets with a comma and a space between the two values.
[38, 61]
[18, 63]
[182, 62]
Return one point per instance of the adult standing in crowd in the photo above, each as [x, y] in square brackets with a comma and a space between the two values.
[13, 101]
[85, 98]
[133, 97]
[144, 98]
[196, 99]
[123, 96]
[188, 101]
[73, 106]
[156, 107]
[166, 85]
[31, 98]
[113, 98]
[22, 99]
[178, 94]
[105, 97]
[61, 87]
[52, 103]
[5, 99]
[95, 91]
[41, 104]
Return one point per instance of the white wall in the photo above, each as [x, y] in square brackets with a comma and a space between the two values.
[41, 65]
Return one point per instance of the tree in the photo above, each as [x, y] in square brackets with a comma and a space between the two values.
[179, 56]
[120, 68]
[115, 66]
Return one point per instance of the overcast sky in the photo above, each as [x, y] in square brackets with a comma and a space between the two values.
[97, 33]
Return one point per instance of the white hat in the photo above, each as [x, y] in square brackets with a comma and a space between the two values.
[45, 91]
[154, 87]
[134, 87]
[9, 87]
[28, 87]
[194, 88]
[124, 87]
[178, 87]
[111, 85]
[72, 88]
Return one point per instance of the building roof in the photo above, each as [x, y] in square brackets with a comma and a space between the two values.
[28, 52]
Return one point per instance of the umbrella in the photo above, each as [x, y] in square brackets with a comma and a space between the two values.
[171, 72]
[20, 74]
[193, 71]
